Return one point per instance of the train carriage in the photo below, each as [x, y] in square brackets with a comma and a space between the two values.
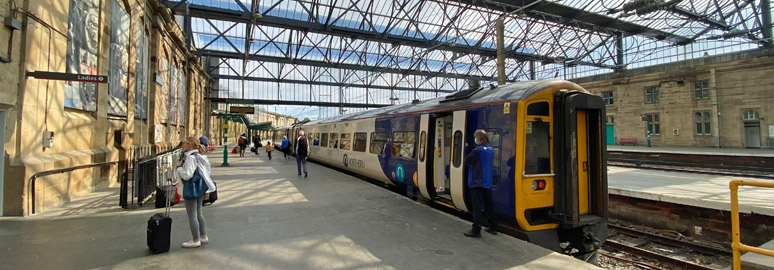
[550, 178]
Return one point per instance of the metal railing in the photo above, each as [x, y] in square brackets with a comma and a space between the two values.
[146, 174]
[736, 244]
[35, 176]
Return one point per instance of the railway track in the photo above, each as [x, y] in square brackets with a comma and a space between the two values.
[707, 168]
[648, 237]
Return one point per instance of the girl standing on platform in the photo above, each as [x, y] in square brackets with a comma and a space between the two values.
[185, 169]
[269, 148]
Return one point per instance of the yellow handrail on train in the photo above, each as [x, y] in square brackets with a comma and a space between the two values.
[736, 244]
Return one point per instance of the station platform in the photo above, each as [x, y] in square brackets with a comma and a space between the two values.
[267, 217]
[693, 189]
[746, 152]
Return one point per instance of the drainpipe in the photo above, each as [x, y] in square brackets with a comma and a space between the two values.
[713, 88]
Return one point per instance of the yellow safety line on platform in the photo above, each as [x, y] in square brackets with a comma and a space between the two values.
[736, 244]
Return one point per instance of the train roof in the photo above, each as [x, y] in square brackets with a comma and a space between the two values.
[510, 92]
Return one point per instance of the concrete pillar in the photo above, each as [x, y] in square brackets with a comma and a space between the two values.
[713, 87]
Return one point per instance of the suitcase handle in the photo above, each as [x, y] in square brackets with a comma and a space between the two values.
[169, 198]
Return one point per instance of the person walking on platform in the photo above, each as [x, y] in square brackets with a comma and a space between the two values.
[256, 142]
[242, 142]
[269, 148]
[186, 168]
[479, 164]
[302, 151]
[285, 146]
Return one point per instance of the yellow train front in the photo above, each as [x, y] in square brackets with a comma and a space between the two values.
[550, 180]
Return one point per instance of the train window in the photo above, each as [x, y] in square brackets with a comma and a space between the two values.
[540, 108]
[360, 141]
[494, 141]
[538, 148]
[404, 144]
[346, 139]
[316, 140]
[334, 140]
[457, 155]
[422, 145]
[324, 140]
[378, 139]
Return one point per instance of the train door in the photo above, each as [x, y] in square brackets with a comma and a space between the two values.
[442, 156]
[422, 168]
[581, 181]
[456, 169]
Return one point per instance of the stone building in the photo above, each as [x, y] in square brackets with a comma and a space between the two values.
[154, 96]
[716, 101]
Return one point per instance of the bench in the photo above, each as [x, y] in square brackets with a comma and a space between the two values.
[632, 141]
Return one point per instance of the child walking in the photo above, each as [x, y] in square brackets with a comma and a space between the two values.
[269, 148]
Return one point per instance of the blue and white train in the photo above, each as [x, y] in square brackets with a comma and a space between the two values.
[550, 179]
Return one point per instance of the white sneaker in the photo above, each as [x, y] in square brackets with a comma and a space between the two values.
[192, 244]
[204, 239]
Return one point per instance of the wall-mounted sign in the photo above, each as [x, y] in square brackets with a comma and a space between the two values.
[68, 77]
[242, 110]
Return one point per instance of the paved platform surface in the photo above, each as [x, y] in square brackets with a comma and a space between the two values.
[694, 189]
[694, 150]
[267, 217]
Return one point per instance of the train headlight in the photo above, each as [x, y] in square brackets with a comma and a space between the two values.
[539, 185]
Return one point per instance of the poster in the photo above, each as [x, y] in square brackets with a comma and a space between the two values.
[163, 71]
[141, 75]
[174, 87]
[158, 133]
[82, 48]
[183, 84]
[119, 60]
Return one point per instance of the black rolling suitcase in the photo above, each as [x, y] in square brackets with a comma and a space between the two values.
[160, 229]
[163, 196]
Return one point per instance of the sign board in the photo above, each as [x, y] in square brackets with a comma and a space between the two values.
[771, 131]
[243, 110]
[159, 133]
[225, 125]
[506, 108]
[68, 77]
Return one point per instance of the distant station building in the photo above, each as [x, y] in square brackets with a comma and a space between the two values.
[713, 101]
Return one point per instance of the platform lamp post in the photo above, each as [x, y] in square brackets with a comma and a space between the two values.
[648, 138]
[225, 138]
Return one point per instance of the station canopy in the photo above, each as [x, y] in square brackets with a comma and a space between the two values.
[349, 55]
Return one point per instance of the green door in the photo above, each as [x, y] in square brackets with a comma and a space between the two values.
[610, 135]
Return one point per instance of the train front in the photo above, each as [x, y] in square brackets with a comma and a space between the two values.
[562, 196]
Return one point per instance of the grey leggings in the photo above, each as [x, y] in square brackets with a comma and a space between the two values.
[195, 218]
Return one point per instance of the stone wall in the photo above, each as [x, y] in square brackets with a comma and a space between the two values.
[737, 83]
[85, 136]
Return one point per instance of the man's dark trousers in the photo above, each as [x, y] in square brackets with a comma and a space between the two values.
[482, 202]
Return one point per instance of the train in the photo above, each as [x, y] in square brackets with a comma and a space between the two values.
[550, 175]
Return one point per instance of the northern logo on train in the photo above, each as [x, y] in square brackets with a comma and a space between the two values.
[400, 172]
[346, 163]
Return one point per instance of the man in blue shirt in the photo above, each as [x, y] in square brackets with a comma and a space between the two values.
[479, 165]
[285, 146]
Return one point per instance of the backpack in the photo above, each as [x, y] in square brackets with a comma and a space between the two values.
[303, 145]
[241, 141]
